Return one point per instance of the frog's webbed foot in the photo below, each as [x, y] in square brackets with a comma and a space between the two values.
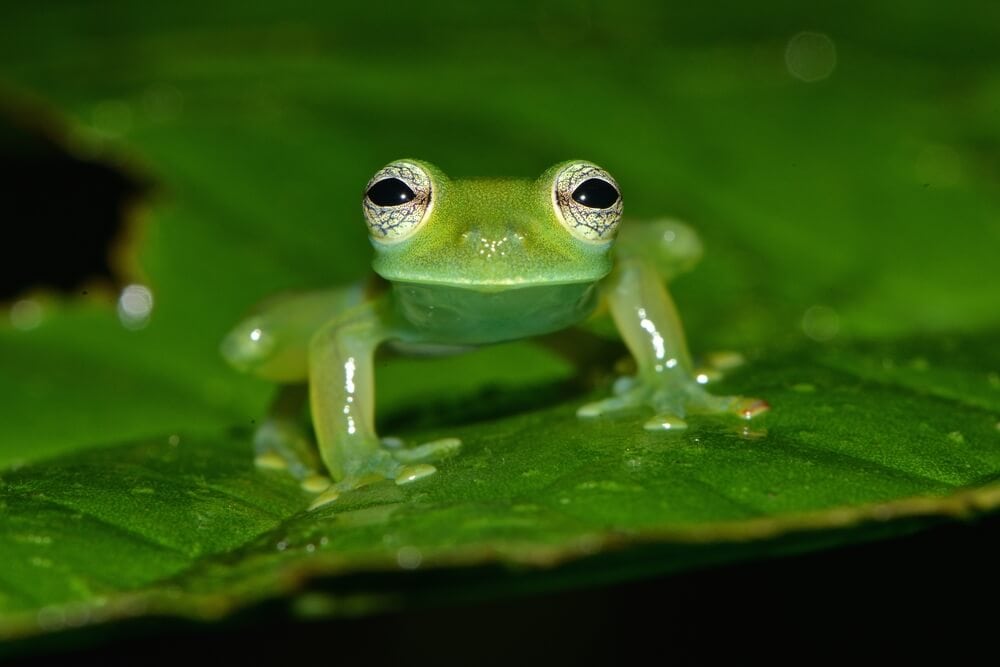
[671, 403]
[391, 460]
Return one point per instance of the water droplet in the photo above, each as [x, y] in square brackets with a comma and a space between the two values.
[310, 548]
[26, 314]
[135, 305]
[957, 437]
[38, 561]
[665, 423]
[409, 558]
[323, 541]
[701, 378]
[821, 323]
[174, 440]
[810, 56]
[748, 433]
[282, 545]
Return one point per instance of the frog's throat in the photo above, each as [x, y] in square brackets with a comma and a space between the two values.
[480, 314]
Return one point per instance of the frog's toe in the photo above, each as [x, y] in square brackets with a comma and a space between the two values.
[429, 451]
[724, 360]
[748, 408]
[325, 498]
[316, 483]
[280, 444]
[412, 473]
[605, 407]
[741, 406]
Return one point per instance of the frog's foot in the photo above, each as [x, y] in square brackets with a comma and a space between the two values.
[671, 403]
[282, 444]
[391, 461]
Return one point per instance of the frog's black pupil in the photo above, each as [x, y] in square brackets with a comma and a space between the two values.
[390, 192]
[596, 193]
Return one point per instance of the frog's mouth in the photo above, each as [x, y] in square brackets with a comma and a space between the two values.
[492, 286]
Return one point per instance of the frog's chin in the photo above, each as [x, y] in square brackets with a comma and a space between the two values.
[482, 313]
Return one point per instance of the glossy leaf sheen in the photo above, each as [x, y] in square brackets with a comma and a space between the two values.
[127, 486]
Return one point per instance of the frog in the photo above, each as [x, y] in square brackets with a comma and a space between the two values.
[459, 264]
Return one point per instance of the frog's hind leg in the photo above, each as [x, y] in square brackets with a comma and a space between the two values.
[282, 441]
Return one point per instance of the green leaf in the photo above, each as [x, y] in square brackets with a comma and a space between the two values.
[127, 482]
[184, 524]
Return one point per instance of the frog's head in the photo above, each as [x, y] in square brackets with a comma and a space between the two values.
[492, 234]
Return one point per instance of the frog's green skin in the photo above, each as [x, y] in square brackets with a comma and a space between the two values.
[466, 263]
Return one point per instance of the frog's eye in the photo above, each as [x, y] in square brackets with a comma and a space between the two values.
[587, 201]
[397, 199]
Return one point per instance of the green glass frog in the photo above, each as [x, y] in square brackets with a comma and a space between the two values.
[463, 263]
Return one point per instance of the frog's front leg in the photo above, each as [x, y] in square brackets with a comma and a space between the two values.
[648, 322]
[341, 393]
